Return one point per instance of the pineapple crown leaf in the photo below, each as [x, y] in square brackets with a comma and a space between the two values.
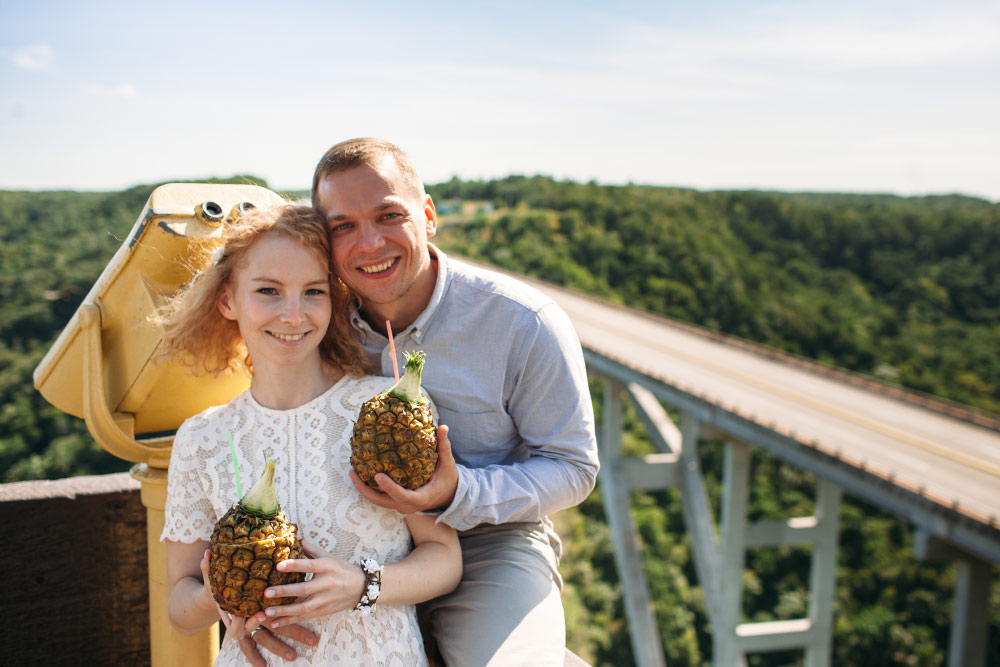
[260, 500]
[408, 387]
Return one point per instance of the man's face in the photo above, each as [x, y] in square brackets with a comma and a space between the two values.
[379, 227]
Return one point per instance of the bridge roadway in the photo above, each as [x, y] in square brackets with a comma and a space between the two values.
[949, 464]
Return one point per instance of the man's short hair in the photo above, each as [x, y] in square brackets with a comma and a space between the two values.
[364, 151]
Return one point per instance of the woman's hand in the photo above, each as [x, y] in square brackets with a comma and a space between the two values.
[336, 585]
[206, 598]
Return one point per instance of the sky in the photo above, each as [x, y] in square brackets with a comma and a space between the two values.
[887, 96]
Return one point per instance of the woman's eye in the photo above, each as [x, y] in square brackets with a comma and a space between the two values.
[269, 291]
[316, 291]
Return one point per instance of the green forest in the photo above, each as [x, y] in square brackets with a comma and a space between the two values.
[905, 290]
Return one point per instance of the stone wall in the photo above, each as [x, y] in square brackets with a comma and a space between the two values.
[74, 554]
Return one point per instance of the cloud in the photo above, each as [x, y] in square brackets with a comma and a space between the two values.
[852, 38]
[117, 91]
[34, 57]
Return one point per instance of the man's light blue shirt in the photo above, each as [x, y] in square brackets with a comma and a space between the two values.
[506, 372]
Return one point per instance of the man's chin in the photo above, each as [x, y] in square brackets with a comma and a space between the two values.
[377, 297]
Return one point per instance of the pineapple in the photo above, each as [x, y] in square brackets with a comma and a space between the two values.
[395, 433]
[246, 545]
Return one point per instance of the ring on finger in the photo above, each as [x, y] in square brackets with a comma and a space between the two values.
[256, 630]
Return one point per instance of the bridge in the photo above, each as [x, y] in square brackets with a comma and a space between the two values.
[935, 464]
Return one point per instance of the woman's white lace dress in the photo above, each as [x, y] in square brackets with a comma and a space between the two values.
[311, 448]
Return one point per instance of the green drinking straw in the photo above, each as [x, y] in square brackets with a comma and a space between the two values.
[236, 466]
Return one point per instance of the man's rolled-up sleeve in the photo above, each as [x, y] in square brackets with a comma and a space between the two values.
[549, 401]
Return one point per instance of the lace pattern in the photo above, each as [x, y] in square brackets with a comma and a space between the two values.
[309, 446]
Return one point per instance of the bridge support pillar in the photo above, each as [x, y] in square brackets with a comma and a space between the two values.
[645, 634]
[698, 519]
[736, 488]
[823, 574]
[732, 639]
[970, 616]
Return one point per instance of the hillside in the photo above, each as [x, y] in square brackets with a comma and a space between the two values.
[903, 289]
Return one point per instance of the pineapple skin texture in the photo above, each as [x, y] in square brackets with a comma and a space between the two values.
[244, 552]
[395, 437]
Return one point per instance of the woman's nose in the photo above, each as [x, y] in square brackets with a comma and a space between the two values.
[292, 312]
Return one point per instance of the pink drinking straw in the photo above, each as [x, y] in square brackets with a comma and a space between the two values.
[392, 348]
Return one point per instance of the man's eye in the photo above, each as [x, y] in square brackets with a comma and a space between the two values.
[344, 226]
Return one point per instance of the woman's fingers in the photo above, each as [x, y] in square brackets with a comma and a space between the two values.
[281, 615]
[204, 565]
[304, 564]
[314, 551]
[290, 590]
[335, 586]
[282, 610]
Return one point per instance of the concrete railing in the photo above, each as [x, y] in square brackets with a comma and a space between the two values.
[76, 569]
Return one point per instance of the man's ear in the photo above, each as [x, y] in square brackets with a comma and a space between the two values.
[225, 304]
[431, 214]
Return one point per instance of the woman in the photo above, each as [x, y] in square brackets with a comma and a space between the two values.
[269, 303]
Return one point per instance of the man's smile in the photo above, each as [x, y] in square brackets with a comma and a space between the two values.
[378, 268]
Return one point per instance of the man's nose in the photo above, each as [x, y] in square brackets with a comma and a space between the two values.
[371, 237]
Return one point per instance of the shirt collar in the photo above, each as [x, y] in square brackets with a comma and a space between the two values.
[420, 324]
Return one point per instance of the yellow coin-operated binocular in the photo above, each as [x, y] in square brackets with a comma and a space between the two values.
[103, 365]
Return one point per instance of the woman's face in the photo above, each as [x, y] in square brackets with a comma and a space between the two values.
[280, 298]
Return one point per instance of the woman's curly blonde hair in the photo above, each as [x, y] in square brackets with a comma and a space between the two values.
[196, 333]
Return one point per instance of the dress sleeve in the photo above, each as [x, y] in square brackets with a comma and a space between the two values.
[189, 515]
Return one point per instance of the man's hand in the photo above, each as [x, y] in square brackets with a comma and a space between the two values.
[438, 492]
[268, 638]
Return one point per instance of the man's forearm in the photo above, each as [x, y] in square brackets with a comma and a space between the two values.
[526, 491]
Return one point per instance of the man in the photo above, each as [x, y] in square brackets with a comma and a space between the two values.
[506, 372]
